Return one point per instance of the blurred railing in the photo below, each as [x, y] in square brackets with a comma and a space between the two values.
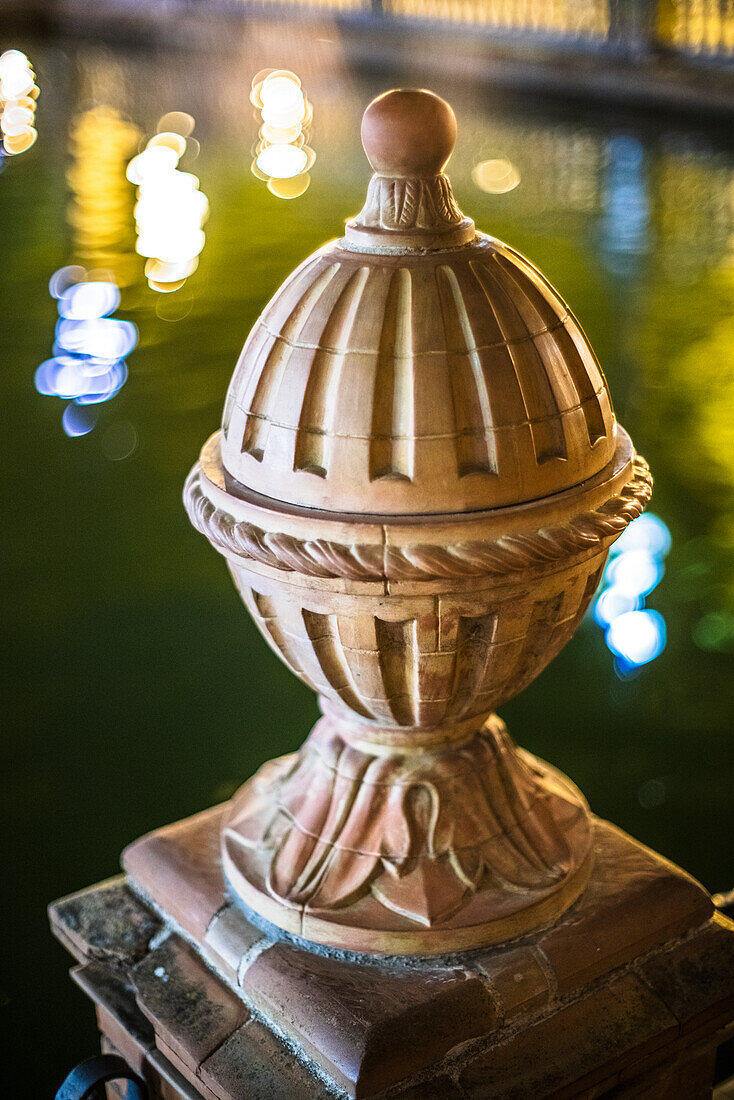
[701, 29]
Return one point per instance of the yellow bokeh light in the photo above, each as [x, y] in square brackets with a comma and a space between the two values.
[170, 209]
[18, 94]
[291, 188]
[176, 122]
[171, 140]
[496, 177]
[281, 157]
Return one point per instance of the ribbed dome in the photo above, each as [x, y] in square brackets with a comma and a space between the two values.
[368, 373]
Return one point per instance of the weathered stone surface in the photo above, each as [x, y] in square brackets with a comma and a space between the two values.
[696, 981]
[117, 1014]
[106, 921]
[181, 868]
[580, 1044]
[670, 1074]
[171, 1083]
[440, 1088]
[369, 1027]
[191, 1011]
[254, 1064]
[635, 900]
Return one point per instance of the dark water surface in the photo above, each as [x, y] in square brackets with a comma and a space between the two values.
[137, 690]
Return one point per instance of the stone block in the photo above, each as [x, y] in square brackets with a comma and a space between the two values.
[573, 1048]
[696, 981]
[191, 1011]
[635, 900]
[254, 1064]
[368, 1026]
[107, 921]
[518, 980]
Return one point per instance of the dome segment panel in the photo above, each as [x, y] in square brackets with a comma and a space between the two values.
[436, 382]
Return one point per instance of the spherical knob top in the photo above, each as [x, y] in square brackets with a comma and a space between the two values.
[408, 132]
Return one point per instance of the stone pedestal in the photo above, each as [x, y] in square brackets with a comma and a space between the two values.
[627, 995]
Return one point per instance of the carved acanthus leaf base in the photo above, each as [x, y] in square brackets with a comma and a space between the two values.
[407, 851]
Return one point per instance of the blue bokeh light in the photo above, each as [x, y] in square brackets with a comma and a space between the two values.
[88, 366]
[76, 421]
[637, 637]
[86, 301]
[634, 634]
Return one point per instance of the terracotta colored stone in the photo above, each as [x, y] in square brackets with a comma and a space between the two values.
[192, 1012]
[617, 1039]
[185, 852]
[228, 939]
[517, 979]
[162, 1080]
[572, 1049]
[254, 1064]
[367, 1026]
[104, 922]
[635, 900]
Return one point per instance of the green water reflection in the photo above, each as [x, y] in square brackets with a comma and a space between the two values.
[137, 689]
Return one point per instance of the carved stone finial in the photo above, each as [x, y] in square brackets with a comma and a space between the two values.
[416, 485]
[408, 135]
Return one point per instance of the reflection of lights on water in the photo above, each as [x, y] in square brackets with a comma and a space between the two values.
[170, 210]
[634, 634]
[648, 532]
[625, 220]
[88, 365]
[496, 177]
[637, 637]
[77, 421]
[18, 95]
[101, 142]
[611, 603]
[282, 161]
[634, 573]
[176, 122]
[282, 156]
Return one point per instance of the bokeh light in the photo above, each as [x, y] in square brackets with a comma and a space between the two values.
[637, 637]
[635, 572]
[496, 177]
[634, 634]
[88, 366]
[101, 143]
[18, 95]
[170, 210]
[282, 156]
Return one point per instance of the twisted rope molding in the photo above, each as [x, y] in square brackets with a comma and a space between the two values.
[505, 555]
[497, 557]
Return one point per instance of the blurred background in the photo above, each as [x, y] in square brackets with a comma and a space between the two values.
[163, 168]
